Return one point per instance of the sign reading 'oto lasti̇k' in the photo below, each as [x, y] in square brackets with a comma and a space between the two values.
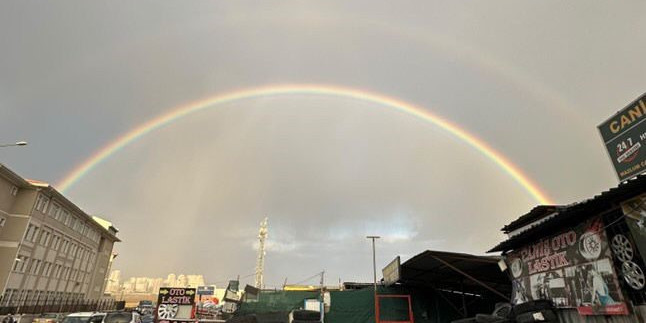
[624, 135]
[175, 305]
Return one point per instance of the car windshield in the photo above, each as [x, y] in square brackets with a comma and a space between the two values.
[96, 318]
[76, 319]
[118, 317]
[49, 315]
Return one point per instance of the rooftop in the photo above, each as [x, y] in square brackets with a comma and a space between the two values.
[550, 218]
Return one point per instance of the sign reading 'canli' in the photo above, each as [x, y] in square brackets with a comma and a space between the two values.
[624, 135]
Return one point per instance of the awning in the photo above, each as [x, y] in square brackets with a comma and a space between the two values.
[457, 272]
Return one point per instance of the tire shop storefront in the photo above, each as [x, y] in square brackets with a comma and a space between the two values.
[587, 258]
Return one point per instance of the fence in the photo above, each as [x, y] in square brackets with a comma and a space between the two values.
[54, 305]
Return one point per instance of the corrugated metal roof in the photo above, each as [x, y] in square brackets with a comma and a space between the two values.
[572, 214]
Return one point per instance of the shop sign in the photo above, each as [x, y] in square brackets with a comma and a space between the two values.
[205, 290]
[392, 272]
[573, 269]
[179, 296]
[624, 136]
[175, 305]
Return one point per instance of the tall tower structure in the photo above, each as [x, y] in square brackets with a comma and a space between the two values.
[260, 265]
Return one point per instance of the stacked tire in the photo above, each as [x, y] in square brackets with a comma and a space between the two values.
[535, 311]
[305, 316]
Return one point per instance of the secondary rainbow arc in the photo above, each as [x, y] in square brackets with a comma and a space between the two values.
[335, 91]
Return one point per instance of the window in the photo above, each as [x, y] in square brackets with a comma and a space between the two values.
[19, 263]
[33, 239]
[55, 211]
[3, 220]
[14, 190]
[56, 241]
[47, 269]
[66, 244]
[35, 267]
[24, 265]
[44, 238]
[68, 218]
[28, 264]
[41, 203]
[116, 317]
[63, 216]
[58, 271]
[32, 232]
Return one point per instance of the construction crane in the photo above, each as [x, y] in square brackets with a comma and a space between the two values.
[260, 265]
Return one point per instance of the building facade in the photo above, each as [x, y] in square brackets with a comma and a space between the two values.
[49, 248]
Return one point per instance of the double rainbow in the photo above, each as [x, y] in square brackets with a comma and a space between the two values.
[322, 90]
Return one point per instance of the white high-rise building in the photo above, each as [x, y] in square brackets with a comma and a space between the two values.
[171, 280]
[182, 281]
[114, 282]
[195, 280]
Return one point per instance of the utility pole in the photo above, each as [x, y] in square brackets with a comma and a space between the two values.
[374, 272]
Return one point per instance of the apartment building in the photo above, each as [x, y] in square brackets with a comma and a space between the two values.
[49, 248]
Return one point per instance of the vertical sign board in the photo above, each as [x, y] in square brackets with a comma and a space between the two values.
[624, 135]
[175, 305]
[392, 272]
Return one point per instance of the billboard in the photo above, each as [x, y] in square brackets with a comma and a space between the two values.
[392, 272]
[175, 305]
[205, 290]
[624, 136]
[573, 269]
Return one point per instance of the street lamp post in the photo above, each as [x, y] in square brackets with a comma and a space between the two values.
[374, 272]
[18, 143]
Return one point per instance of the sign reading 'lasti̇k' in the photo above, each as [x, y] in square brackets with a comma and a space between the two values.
[624, 135]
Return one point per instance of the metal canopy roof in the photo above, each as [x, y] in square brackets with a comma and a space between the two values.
[575, 213]
[457, 272]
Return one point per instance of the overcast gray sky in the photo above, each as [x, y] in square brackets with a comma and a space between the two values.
[532, 79]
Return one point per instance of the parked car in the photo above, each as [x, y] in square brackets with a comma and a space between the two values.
[122, 317]
[145, 307]
[48, 318]
[84, 317]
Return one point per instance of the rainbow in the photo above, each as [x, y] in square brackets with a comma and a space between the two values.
[325, 90]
